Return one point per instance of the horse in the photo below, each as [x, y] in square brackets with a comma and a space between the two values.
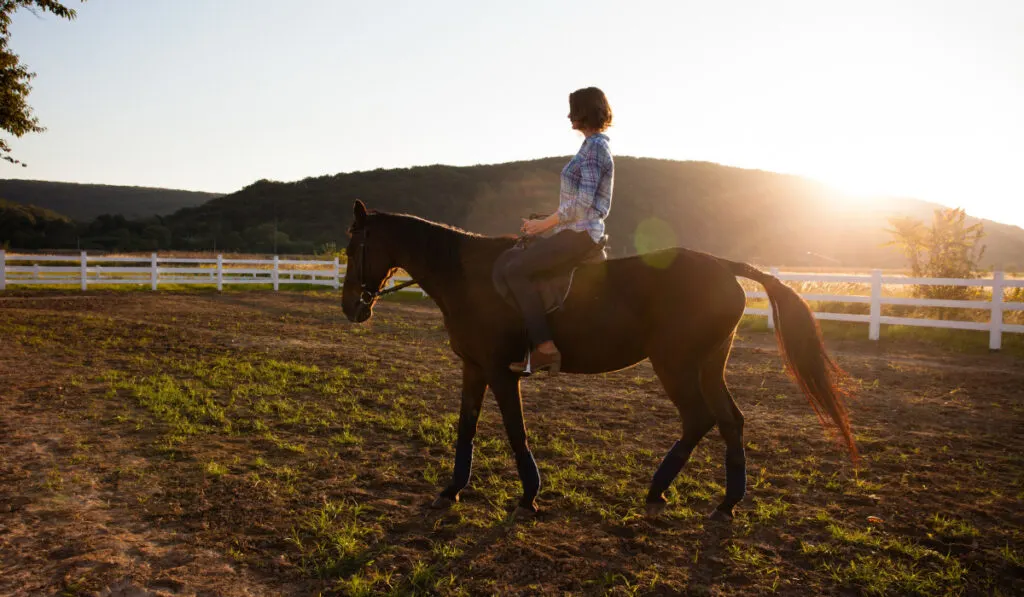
[679, 308]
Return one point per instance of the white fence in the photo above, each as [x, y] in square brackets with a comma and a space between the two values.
[84, 271]
[996, 306]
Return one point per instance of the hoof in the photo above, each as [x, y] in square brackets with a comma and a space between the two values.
[442, 503]
[720, 516]
[521, 513]
[654, 509]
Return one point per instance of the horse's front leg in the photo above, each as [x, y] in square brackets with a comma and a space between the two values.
[505, 386]
[474, 384]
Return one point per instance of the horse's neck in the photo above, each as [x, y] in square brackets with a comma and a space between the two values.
[444, 262]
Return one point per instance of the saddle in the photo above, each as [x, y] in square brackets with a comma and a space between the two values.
[555, 285]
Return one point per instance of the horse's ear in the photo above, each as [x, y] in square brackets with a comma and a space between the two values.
[359, 209]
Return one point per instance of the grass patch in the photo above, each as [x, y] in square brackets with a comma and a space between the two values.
[878, 575]
[439, 432]
[1012, 556]
[765, 511]
[332, 538]
[185, 406]
[953, 528]
[346, 438]
[367, 583]
[215, 470]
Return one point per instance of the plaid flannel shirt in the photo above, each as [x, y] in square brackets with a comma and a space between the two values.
[586, 194]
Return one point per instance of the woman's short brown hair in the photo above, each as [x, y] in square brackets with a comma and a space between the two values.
[590, 108]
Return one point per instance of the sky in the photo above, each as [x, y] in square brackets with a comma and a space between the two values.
[918, 98]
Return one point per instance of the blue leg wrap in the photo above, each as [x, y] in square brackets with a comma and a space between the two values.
[463, 466]
[529, 474]
[670, 466]
[735, 478]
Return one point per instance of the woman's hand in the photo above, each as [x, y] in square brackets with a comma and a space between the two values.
[535, 227]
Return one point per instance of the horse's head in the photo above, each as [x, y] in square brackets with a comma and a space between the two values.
[370, 264]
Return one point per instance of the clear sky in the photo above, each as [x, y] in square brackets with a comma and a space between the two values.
[920, 98]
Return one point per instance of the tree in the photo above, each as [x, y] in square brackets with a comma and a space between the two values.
[949, 249]
[31, 227]
[15, 114]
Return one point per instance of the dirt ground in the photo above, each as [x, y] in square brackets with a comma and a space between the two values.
[256, 443]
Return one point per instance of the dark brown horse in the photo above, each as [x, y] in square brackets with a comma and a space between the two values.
[677, 307]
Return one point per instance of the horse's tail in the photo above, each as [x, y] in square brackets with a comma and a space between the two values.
[802, 349]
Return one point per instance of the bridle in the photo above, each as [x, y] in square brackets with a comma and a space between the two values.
[367, 296]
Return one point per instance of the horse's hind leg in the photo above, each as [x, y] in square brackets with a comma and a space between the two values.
[682, 383]
[730, 424]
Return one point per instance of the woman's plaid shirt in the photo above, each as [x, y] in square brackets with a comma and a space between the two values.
[586, 195]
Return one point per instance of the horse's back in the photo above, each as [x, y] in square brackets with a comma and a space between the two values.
[656, 285]
[672, 270]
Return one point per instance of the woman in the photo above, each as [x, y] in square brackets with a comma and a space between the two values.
[578, 224]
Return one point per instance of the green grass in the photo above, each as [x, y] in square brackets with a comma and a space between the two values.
[1012, 556]
[185, 406]
[438, 432]
[953, 528]
[331, 539]
[346, 438]
[751, 558]
[879, 575]
[766, 511]
[445, 551]
[879, 563]
[366, 583]
[747, 555]
[215, 470]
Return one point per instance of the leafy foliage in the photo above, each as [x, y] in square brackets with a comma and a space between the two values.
[31, 227]
[15, 114]
[949, 249]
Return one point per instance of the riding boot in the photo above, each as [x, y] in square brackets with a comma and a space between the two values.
[539, 361]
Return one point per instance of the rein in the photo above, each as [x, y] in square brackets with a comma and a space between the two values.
[367, 296]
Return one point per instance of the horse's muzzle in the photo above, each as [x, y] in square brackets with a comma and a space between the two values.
[362, 313]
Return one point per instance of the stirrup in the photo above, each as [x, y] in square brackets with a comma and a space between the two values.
[552, 368]
[527, 366]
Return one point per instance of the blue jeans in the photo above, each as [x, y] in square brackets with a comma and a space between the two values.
[559, 252]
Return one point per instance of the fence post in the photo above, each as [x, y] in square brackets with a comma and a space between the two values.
[337, 273]
[220, 272]
[3, 269]
[995, 334]
[85, 271]
[35, 271]
[875, 327]
[99, 271]
[274, 275]
[771, 312]
[154, 272]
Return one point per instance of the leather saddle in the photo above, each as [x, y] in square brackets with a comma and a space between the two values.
[554, 286]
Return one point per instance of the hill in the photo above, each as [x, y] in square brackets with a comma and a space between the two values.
[753, 215]
[83, 202]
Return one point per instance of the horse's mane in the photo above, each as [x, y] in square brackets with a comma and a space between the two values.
[425, 224]
[461, 247]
